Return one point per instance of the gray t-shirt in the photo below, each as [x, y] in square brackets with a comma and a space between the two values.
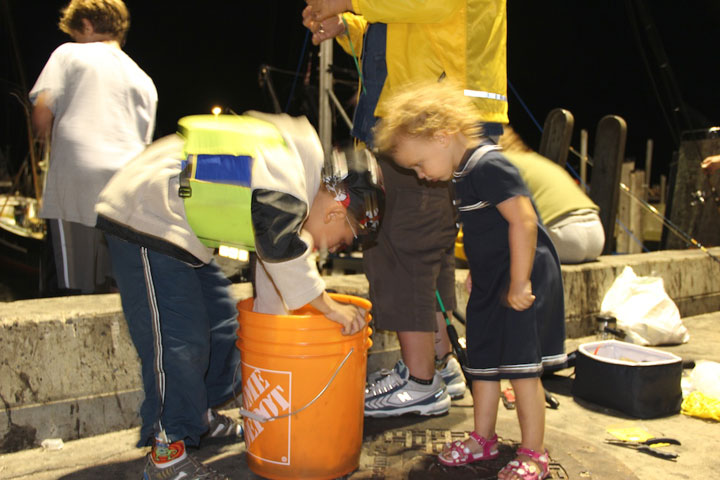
[104, 109]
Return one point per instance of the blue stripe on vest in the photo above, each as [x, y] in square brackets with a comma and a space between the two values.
[232, 169]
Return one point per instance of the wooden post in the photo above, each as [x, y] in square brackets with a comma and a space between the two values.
[583, 159]
[663, 189]
[557, 132]
[637, 187]
[608, 155]
[648, 160]
[623, 214]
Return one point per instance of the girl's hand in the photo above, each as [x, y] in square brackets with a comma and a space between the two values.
[468, 283]
[520, 296]
[710, 164]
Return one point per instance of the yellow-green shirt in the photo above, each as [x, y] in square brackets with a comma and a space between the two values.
[554, 191]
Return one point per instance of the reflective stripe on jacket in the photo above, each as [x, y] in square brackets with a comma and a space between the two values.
[464, 40]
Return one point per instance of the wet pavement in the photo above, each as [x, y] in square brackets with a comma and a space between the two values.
[405, 447]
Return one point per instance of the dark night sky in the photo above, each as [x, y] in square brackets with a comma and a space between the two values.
[580, 55]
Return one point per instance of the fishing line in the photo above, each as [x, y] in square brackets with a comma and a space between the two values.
[297, 71]
[352, 51]
[673, 228]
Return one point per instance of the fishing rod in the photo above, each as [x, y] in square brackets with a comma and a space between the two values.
[674, 228]
[641, 21]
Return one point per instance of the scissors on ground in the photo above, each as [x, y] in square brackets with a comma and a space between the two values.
[649, 446]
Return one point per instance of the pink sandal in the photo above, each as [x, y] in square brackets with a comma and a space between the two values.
[457, 453]
[524, 470]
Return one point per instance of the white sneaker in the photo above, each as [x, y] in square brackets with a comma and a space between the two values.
[453, 377]
[393, 395]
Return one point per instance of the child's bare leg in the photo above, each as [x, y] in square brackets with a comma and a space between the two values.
[530, 404]
[486, 396]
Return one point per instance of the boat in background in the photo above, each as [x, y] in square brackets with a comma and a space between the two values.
[24, 252]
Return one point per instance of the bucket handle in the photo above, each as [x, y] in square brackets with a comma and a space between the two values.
[263, 419]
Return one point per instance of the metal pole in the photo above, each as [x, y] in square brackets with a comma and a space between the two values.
[583, 158]
[648, 160]
[326, 82]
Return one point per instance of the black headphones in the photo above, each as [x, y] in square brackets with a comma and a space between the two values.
[355, 173]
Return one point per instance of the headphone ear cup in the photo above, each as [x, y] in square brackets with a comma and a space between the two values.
[356, 171]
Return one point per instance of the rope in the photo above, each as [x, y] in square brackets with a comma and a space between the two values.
[297, 71]
[632, 235]
[355, 58]
[527, 110]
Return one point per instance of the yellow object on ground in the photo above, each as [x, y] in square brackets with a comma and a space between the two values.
[629, 433]
[697, 404]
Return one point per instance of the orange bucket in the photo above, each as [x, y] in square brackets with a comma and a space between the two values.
[301, 372]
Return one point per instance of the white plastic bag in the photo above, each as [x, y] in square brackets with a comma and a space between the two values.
[705, 378]
[644, 311]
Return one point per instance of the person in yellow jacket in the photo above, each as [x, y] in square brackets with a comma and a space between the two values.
[463, 40]
[401, 43]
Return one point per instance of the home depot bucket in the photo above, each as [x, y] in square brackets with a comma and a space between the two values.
[309, 379]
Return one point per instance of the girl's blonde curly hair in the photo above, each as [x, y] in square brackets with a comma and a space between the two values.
[106, 16]
[425, 109]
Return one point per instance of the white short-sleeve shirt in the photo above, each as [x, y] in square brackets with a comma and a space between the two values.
[104, 108]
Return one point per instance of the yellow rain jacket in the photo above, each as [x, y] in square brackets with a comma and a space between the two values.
[465, 40]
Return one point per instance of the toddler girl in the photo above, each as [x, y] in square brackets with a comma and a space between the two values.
[515, 314]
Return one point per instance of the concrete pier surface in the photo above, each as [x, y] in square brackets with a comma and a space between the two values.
[405, 447]
[69, 371]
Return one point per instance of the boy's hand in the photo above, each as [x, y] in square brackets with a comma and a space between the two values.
[520, 296]
[468, 283]
[351, 318]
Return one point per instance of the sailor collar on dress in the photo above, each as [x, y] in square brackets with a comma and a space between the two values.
[471, 157]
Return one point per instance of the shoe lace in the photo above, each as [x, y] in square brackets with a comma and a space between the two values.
[441, 363]
[222, 426]
[203, 472]
[383, 372]
[384, 384]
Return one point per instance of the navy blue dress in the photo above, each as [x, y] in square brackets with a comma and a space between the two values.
[502, 342]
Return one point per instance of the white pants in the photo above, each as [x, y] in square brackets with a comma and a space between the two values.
[578, 237]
